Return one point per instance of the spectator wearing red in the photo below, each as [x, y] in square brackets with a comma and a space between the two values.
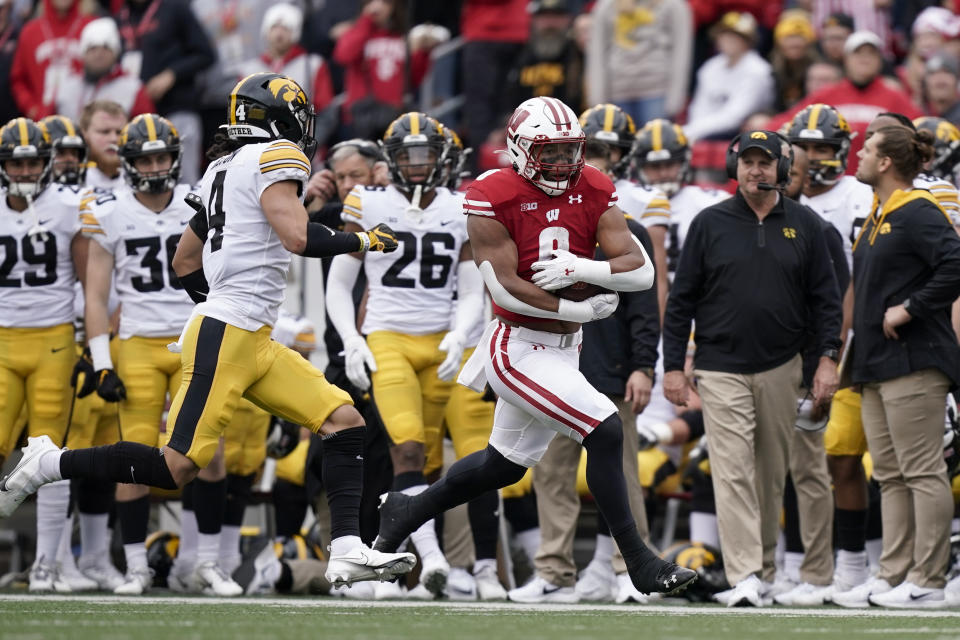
[280, 30]
[933, 28]
[47, 49]
[100, 77]
[861, 95]
[374, 52]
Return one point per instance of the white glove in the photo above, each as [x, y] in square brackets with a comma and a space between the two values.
[285, 331]
[357, 355]
[452, 344]
[557, 273]
[603, 305]
[650, 435]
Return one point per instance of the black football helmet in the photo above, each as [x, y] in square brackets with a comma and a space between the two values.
[270, 106]
[706, 561]
[946, 146]
[454, 158]
[24, 138]
[64, 134]
[607, 126]
[823, 124]
[149, 134]
[414, 143]
[661, 141]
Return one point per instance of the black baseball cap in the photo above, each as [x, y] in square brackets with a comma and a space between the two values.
[548, 6]
[839, 20]
[770, 142]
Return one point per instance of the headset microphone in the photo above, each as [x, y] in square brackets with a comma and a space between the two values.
[766, 186]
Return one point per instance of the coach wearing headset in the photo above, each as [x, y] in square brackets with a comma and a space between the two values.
[756, 277]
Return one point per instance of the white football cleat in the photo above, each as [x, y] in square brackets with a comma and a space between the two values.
[461, 586]
[597, 583]
[488, 584]
[626, 592]
[434, 574]
[805, 595]
[539, 590]
[73, 578]
[363, 563]
[99, 569]
[952, 592]
[26, 477]
[420, 592]
[212, 581]
[909, 596]
[859, 596]
[43, 578]
[259, 577]
[180, 578]
[138, 582]
[746, 593]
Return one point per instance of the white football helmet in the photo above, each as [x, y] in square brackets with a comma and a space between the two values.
[545, 144]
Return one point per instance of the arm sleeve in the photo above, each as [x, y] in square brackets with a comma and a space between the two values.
[682, 302]
[936, 243]
[339, 300]
[199, 225]
[823, 293]
[643, 313]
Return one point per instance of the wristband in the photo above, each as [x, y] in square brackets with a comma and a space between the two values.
[100, 352]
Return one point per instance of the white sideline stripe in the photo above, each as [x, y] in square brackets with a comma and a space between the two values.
[344, 603]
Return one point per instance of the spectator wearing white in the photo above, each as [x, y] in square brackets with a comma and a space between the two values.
[280, 31]
[731, 85]
[639, 56]
[100, 76]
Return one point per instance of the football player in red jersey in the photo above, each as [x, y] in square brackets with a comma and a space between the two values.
[534, 229]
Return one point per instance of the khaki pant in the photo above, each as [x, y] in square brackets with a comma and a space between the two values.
[749, 421]
[558, 505]
[811, 479]
[903, 419]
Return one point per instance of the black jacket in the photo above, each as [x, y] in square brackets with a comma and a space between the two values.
[756, 289]
[838, 259]
[909, 252]
[616, 346]
[169, 37]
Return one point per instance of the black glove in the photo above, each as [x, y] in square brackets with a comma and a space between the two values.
[110, 386]
[283, 438]
[84, 366]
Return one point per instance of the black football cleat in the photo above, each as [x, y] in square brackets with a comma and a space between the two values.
[670, 579]
[395, 522]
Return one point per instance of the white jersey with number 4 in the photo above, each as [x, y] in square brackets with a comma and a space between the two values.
[243, 258]
[142, 242]
[411, 289]
[37, 274]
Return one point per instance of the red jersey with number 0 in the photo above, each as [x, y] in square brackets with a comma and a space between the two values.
[539, 223]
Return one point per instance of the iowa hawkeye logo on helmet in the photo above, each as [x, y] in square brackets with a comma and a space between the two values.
[270, 106]
[287, 90]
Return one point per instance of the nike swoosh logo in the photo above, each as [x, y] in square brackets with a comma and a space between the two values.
[445, 223]
[44, 221]
[187, 221]
[55, 350]
[914, 596]
[550, 589]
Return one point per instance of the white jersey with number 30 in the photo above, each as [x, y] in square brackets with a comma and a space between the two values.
[411, 289]
[142, 242]
[243, 258]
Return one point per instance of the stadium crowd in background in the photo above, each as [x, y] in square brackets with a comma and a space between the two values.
[730, 417]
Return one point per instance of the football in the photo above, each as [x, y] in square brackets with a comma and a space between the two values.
[579, 291]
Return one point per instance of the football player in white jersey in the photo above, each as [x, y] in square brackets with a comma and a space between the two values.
[610, 134]
[100, 124]
[845, 202]
[135, 232]
[250, 218]
[939, 174]
[661, 159]
[410, 347]
[40, 257]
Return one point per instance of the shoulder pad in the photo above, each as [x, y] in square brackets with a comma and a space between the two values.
[94, 208]
[283, 154]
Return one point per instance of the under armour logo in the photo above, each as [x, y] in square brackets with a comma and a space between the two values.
[553, 215]
[576, 199]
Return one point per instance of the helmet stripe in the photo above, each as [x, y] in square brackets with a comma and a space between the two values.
[232, 116]
[564, 112]
[814, 116]
[151, 127]
[414, 123]
[608, 114]
[553, 110]
[656, 135]
[22, 127]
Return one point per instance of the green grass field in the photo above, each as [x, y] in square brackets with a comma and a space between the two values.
[114, 618]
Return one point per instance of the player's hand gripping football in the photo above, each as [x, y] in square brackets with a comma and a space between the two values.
[357, 355]
[110, 386]
[380, 238]
[603, 305]
[556, 273]
[84, 366]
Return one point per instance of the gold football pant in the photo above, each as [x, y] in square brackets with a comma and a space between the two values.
[35, 366]
[245, 441]
[149, 371]
[223, 364]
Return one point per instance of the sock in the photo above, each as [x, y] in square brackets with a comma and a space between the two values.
[209, 501]
[189, 538]
[94, 534]
[289, 507]
[791, 565]
[127, 462]
[791, 519]
[851, 566]
[133, 516]
[603, 553]
[53, 501]
[479, 565]
[94, 505]
[851, 529]
[343, 544]
[484, 514]
[874, 549]
[238, 495]
[230, 557]
[208, 547]
[703, 528]
[425, 537]
[136, 555]
[529, 541]
[65, 549]
[342, 476]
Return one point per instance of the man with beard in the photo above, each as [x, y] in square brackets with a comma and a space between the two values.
[550, 64]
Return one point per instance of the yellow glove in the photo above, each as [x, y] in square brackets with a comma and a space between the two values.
[380, 238]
